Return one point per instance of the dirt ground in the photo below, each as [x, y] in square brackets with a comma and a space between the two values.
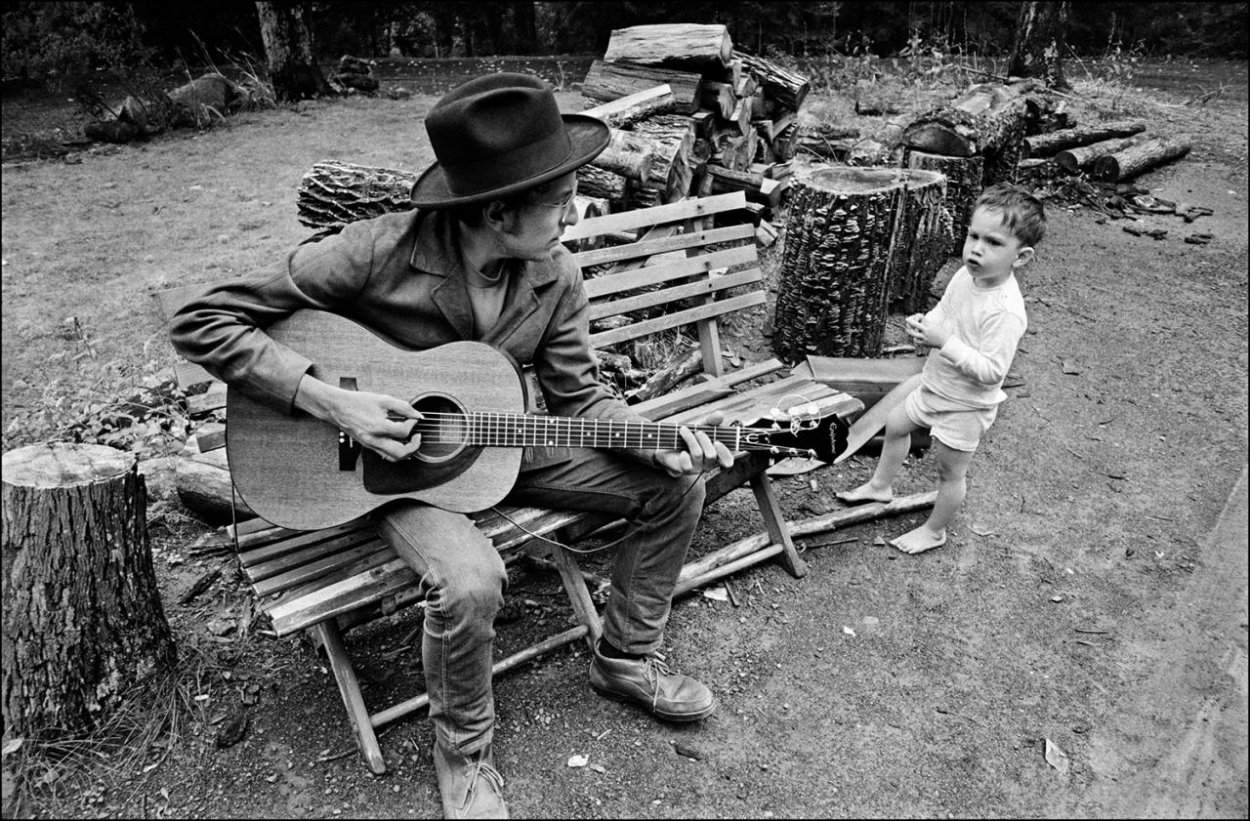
[1077, 649]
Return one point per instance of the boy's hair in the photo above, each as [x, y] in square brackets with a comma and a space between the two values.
[1023, 214]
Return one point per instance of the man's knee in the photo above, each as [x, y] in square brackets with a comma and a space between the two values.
[474, 591]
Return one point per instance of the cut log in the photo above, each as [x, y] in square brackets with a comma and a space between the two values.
[83, 621]
[678, 45]
[333, 194]
[627, 154]
[601, 183]
[626, 111]
[987, 119]
[611, 81]
[825, 139]
[787, 88]
[1046, 145]
[1038, 171]
[836, 268]
[684, 365]
[202, 480]
[963, 186]
[1082, 157]
[1132, 160]
[672, 169]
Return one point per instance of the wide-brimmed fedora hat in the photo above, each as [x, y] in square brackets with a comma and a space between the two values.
[498, 135]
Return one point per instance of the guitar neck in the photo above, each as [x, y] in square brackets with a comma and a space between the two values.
[508, 430]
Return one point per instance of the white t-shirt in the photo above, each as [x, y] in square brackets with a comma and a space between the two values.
[986, 325]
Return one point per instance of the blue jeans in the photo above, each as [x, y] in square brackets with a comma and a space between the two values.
[463, 577]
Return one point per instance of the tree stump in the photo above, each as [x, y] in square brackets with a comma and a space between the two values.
[963, 186]
[922, 239]
[840, 257]
[83, 620]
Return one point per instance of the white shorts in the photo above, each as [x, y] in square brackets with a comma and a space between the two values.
[956, 426]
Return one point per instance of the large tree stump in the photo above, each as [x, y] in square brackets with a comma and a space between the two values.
[963, 185]
[83, 620]
[922, 239]
[839, 258]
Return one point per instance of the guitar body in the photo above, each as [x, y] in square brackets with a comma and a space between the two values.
[291, 470]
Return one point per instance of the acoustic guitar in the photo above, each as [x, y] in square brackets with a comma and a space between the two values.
[299, 472]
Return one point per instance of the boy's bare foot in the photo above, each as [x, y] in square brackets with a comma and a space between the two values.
[865, 493]
[919, 540]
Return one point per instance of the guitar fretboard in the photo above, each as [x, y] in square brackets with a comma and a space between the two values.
[520, 430]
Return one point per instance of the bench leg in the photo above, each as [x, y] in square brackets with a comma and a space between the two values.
[775, 522]
[327, 634]
[579, 594]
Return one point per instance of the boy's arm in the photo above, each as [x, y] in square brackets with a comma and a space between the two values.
[989, 362]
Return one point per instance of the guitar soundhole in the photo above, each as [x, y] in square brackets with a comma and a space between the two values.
[444, 429]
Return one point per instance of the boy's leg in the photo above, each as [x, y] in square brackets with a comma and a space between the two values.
[952, 488]
[880, 488]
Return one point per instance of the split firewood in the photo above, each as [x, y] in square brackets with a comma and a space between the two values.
[1045, 145]
[611, 81]
[787, 88]
[718, 98]
[625, 111]
[1132, 160]
[673, 44]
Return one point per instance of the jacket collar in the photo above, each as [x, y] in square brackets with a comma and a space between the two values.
[437, 250]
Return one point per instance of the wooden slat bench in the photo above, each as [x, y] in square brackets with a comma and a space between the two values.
[328, 581]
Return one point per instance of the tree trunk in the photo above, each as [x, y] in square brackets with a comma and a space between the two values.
[83, 620]
[1050, 143]
[677, 45]
[1040, 41]
[963, 185]
[1082, 157]
[838, 261]
[610, 81]
[1132, 160]
[288, 50]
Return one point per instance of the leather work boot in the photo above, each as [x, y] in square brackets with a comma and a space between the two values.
[648, 682]
[470, 785]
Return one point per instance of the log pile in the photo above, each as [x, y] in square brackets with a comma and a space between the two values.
[730, 121]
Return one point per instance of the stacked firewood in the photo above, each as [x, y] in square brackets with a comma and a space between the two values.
[716, 119]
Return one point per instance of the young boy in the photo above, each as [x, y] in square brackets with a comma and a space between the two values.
[973, 333]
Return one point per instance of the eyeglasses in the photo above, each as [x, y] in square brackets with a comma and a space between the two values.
[563, 204]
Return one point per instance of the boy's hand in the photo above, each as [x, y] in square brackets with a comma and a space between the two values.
[924, 331]
[700, 453]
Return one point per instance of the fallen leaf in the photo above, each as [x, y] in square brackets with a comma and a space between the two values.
[687, 751]
[716, 594]
[848, 631]
[578, 760]
[1056, 757]
[1070, 368]
[598, 768]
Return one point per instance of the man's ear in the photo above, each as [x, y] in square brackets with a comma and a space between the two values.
[1024, 257]
[499, 216]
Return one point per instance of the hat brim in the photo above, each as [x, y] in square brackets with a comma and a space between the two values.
[589, 136]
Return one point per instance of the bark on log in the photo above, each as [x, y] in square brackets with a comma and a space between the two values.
[922, 239]
[787, 88]
[963, 186]
[836, 265]
[689, 45]
[625, 111]
[333, 194]
[83, 620]
[1132, 160]
[1046, 145]
[1082, 157]
[603, 184]
[611, 81]
[627, 154]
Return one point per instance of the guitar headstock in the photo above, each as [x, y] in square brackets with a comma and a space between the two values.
[824, 437]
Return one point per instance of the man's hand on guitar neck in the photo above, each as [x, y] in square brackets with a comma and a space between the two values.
[381, 423]
[700, 453]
